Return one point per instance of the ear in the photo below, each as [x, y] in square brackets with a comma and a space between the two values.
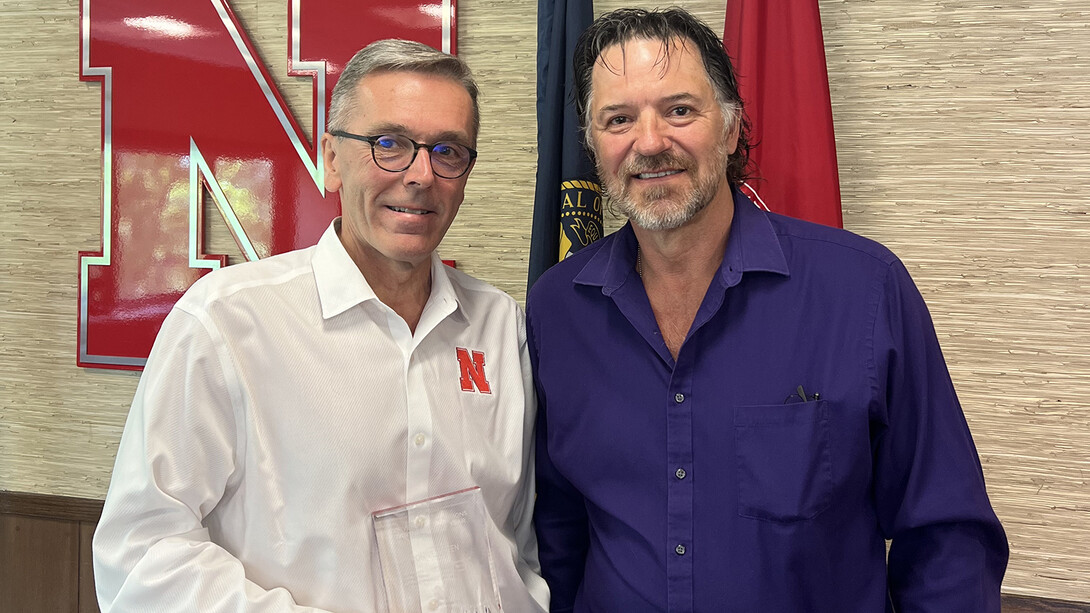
[732, 137]
[333, 180]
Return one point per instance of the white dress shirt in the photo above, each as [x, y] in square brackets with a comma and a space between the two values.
[281, 405]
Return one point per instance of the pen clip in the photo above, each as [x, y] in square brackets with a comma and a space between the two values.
[800, 395]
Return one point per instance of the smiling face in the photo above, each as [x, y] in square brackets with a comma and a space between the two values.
[395, 220]
[658, 133]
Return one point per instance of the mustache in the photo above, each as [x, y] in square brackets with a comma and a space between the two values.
[667, 159]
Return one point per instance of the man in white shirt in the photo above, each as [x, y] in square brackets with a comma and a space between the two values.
[287, 400]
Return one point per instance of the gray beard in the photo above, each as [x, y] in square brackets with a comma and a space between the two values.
[655, 213]
[651, 217]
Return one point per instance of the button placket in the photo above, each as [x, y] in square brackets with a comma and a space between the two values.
[680, 406]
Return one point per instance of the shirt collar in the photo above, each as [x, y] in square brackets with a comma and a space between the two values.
[444, 296]
[753, 245]
[341, 286]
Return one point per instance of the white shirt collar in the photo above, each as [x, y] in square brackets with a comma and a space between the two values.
[341, 286]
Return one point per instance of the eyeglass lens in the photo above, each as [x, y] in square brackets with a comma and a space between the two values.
[396, 153]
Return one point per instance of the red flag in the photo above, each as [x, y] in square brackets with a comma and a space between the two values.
[778, 54]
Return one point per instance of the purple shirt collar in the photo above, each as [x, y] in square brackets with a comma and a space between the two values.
[752, 246]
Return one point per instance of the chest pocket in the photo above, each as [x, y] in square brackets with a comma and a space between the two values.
[783, 465]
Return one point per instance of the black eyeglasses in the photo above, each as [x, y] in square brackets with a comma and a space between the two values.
[395, 153]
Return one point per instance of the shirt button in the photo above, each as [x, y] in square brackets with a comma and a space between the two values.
[433, 604]
[419, 440]
[680, 473]
[680, 549]
[420, 522]
[679, 397]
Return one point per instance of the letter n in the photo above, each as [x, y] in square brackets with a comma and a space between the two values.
[472, 371]
[188, 106]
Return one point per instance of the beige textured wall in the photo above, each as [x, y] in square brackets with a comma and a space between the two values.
[963, 137]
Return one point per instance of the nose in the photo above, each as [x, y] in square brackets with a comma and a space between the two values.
[652, 135]
[420, 171]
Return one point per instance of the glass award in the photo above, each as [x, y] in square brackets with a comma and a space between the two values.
[436, 555]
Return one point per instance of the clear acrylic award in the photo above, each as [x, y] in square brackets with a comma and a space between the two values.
[436, 555]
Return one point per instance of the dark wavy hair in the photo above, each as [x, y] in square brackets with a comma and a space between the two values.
[666, 25]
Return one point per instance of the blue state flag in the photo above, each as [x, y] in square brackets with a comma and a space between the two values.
[567, 197]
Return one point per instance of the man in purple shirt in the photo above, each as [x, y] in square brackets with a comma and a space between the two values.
[737, 409]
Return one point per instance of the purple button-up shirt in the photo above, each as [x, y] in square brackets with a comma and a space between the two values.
[809, 417]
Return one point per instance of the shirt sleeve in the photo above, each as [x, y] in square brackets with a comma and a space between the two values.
[948, 551]
[177, 458]
[560, 517]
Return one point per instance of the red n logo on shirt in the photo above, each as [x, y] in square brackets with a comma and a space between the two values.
[472, 369]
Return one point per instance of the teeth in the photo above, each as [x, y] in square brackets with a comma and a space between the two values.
[410, 211]
[655, 175]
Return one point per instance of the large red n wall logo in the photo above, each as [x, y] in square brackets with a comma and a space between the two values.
[188, 106]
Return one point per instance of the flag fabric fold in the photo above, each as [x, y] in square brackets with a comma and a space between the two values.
[567, 197]
[778, 53]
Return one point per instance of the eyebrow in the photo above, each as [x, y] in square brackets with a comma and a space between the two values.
[668, 100]
[397, 128]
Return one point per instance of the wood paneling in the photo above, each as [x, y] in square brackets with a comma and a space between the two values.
[45, 553]
[1025, 604]
[50, 507]
[88, 603]
[38, 558]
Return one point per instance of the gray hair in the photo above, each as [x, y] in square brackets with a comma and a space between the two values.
[395, 55]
